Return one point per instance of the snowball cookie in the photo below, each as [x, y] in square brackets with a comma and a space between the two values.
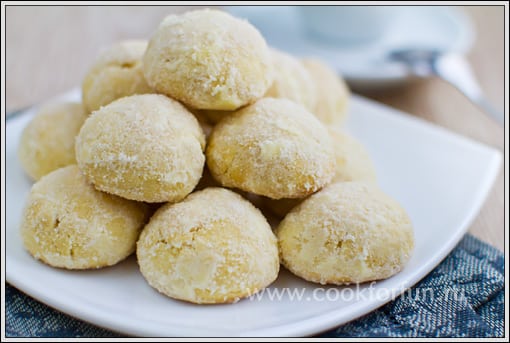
[115, 74]
[349, 232]
[332, 93]
[69, 224]
[274, 148]
[213, 247]
[208, 60]
[47, 142]
[353, 163]
[143, 147]
[292, 81]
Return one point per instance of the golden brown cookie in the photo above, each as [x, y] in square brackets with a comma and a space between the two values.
[349, 232]
[332, 93]
[115, 74]
[274, 148]
[69, 224]
[292, 81]
[47, 142]
[208, 59]
[143, 147]
[213, 247]
[352, 164]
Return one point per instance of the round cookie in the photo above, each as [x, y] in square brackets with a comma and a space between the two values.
[213, 247]
[292, 81]
[352, 164]
[349, 232]
[208, 59]
[332, 93]
[143, 147]
[68, 224]
[47, 142]
[115, 74]
[273, 148]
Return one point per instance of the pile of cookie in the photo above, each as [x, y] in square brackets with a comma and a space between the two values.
[178, 145]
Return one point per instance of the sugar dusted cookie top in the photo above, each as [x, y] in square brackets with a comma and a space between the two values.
[116, 73]
[208, 59]
[69, 224]
[213, 247]
[144, 147]
[349, 232]
[292, 81]
[332, 92]
[274, 148]
[47, 142]
[353, 163]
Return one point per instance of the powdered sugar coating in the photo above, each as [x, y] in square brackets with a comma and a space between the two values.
[332, 92]
[349, 232]
[47, 142]
[352, 164]
[292, 81]
[213, 247]
[68, 224]
[208, 60]
[273, 148]
[143, 147]
[116, 73]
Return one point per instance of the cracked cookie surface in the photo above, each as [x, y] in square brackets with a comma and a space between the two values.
[292, 81]
[213, 247]
[332, 92]
[116, 73]
[143, 147]
[208, 59]
[69, 224]
[47, 142]
[273, 147]
[349, 232]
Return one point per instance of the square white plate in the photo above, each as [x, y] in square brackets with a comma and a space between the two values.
[440, 178]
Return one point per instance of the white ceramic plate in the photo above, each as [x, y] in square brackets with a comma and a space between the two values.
[440, 178]
[366, 66]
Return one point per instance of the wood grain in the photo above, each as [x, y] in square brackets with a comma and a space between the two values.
[48, 51]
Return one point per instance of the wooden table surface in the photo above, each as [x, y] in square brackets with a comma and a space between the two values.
[48, 51]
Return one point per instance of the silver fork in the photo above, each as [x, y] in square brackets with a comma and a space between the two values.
[452, 68]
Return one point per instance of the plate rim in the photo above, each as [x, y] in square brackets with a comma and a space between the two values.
[303, 327]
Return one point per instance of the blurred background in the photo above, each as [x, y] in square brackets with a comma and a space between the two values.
[49, 50]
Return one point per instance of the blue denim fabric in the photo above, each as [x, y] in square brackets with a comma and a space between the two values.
[467, 301]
